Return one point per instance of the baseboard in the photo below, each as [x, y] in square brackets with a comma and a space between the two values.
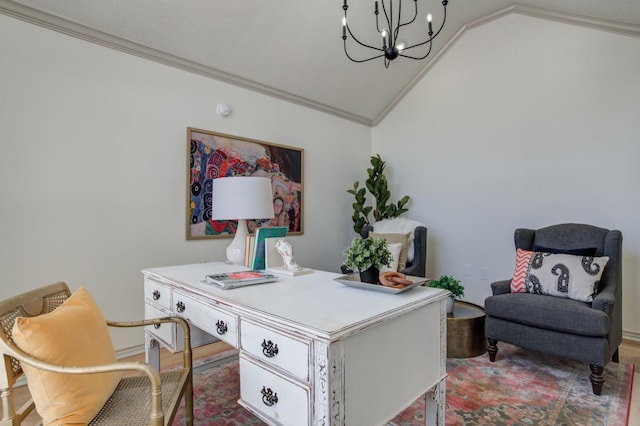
[130, 351]
[631, 336]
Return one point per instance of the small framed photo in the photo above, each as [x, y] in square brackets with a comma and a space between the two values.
[212, 155]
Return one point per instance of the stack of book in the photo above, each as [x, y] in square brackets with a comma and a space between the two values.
[254, 253]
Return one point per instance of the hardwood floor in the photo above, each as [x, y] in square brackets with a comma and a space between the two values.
[629, 353]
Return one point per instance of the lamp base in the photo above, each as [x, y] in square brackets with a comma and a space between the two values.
[235, 250]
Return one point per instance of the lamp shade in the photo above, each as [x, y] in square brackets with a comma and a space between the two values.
[242, 197]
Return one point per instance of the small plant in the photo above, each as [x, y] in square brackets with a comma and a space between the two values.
[364, 253]
[447, 282]
[377, 185]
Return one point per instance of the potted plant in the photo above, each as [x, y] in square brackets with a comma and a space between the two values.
[368, 255]
[447, 282]
[377, 185]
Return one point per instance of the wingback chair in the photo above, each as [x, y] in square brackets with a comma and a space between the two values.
[588, 332]
[416, 262]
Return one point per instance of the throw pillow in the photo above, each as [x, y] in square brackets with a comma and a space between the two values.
[520, 272]
[399, 225]
[74, 334]
[395, 250]
[394, 239]
[560, 275]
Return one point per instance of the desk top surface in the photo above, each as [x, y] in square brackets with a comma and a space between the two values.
[315, 301]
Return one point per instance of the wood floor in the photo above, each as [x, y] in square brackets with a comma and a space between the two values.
[629, 353]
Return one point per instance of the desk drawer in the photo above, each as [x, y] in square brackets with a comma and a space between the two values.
[157, 293]
[284, 351]
[165, 332]
[219, 324]
[274, 395]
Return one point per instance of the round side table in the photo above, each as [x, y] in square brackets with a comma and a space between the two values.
[465, 331]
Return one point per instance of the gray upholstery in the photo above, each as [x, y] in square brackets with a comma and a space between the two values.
[586, 332]
[418, 265]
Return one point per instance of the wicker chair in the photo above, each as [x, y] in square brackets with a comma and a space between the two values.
[160, 392]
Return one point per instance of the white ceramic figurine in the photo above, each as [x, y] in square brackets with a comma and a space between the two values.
[286, 251]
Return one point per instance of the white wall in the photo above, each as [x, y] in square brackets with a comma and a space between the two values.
[93, 167]
[523, 123]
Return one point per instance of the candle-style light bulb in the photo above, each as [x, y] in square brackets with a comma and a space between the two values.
[344, 27]
[385, 37]
[429, 18]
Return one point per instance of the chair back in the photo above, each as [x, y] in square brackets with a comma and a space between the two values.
[30, 304]
[575, 236]
[417, 255]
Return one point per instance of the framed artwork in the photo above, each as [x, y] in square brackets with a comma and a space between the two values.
[213, 155]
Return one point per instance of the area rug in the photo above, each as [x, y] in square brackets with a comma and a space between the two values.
[520, 388]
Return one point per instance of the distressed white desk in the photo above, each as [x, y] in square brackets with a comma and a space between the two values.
[312, 351]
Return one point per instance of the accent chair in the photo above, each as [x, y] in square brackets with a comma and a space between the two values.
[61, 343]
[550, 313]
[413, 237]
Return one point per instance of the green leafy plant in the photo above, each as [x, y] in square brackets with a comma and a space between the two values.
[377, 185]
[363, 253]
[447, 282]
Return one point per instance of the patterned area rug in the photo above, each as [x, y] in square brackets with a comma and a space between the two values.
[520, 388]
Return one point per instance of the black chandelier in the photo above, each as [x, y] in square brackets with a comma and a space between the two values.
[392, 46]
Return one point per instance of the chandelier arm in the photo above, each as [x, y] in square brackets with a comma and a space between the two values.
[386, 15]
[432, 37]
[397, 30]
[359, 42]
[359, 60]
[414, 57]
[415, 15]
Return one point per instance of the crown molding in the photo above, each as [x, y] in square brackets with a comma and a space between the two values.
[73, 29]
[565, 18]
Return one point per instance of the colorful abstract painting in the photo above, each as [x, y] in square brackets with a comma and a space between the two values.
[213, 155]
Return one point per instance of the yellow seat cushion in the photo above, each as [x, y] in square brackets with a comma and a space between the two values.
[74, 334]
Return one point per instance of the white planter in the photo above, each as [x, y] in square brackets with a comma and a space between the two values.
[450, 301]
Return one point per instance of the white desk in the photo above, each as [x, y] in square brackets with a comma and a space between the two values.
[312, 351]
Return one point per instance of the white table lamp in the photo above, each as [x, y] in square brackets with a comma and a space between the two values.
[240, 198]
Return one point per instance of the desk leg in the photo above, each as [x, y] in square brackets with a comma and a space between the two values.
[434, 406]
[151, 351]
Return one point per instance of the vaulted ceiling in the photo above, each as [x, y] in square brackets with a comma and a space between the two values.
[293, 49]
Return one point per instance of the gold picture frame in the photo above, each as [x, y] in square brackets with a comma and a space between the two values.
[211, 155]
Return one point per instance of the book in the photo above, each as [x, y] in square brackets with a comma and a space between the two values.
[248, 251]
[259, 249]
[229, 280]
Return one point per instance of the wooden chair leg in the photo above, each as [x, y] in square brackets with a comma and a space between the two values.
[492, 348]
[596, 378]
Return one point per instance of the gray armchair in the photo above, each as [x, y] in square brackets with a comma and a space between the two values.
[586, 332]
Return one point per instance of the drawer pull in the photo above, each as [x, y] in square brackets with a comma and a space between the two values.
[221, 327]
[269, 397]
[156, 295]
[180, 307]
[269, 349]
[156, 326]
